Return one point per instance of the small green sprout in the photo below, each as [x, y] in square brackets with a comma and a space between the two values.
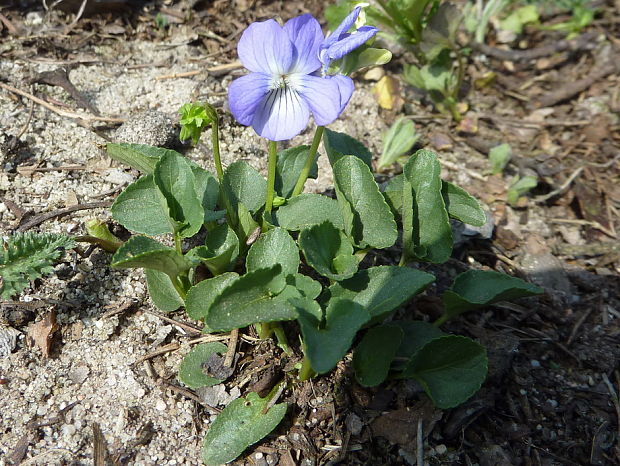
[194, 118]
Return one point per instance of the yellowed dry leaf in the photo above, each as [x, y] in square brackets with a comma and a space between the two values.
[387, 93]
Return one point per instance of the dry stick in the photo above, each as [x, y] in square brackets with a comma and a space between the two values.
[191, 329]
[232, 347]
[585, 42]
[420, 444]
[39, 219]
[25, 128]
[188, 394]
[577, 325]
[575, 87]
[158, 352]
[562, 188]
[57, 110]
[615, 400]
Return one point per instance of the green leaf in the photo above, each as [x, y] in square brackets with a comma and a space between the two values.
[338, 145]
[324, 347]
[289, 165]
[27, 256]
[304, 285]
[274, 247]
[246, 225]
[381, 290]
[220, 251]
[461, 205]
[397, 141]
[162, 291]
[306, 210]
[393, 195]
[245, 185]
[364, 57]
[200, 297]
[242, 423]
[374, 354]
[368, 220]
[519, 18]
[416, 334]
[499, 156]
[334, 14]
[249, 300]
[479, 288]
[175, 179]
[194, 118]
[191, 371]
[440, 32]
[142, 208]
[432, 234]
[520, 188]
[450, 369]
[138, 156]
[208, 192]
[145, 252]
[328, 251]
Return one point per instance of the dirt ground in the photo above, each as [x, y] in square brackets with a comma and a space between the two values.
[109, 381]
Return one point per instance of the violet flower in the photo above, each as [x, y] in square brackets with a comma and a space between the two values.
[283, 86]
[340, 42]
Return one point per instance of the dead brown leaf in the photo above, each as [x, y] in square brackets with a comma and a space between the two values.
[42, 332]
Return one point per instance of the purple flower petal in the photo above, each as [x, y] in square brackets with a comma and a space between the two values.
[322, 96]
[305, 33]
[346, 45]
[265, 47]
[345, 87]
[343, 27]
[245, 94]
[281, 115]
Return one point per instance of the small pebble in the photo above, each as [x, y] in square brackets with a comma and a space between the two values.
[441, 449]
[535, 363]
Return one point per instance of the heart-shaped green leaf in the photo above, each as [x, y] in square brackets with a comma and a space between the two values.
[324, 347]
[175, 179]
[450, 369]
[328, 251]
[245, 185]
[289, 165]
[416, 334]
[306, 210]
[200, 297]
[142, 208]
[381, 290]
[459, 204]
[191, 371]
[432, 234]
[462, 206]
[139, 156]
[249, 300]
[338, 145]
[220, 251]
[208, 192]
[478, 288]
[373, 356]
[367, 217]
[162, 291]
[242, 423]
[145, 252]
[274, 247]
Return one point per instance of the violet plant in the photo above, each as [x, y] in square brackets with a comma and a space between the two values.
[260, 231]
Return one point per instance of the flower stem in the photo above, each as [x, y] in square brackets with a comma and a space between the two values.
[442, 320]
[271, 178]
[282, 340]
[215, 142]
[306, 372]
[303, 176]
